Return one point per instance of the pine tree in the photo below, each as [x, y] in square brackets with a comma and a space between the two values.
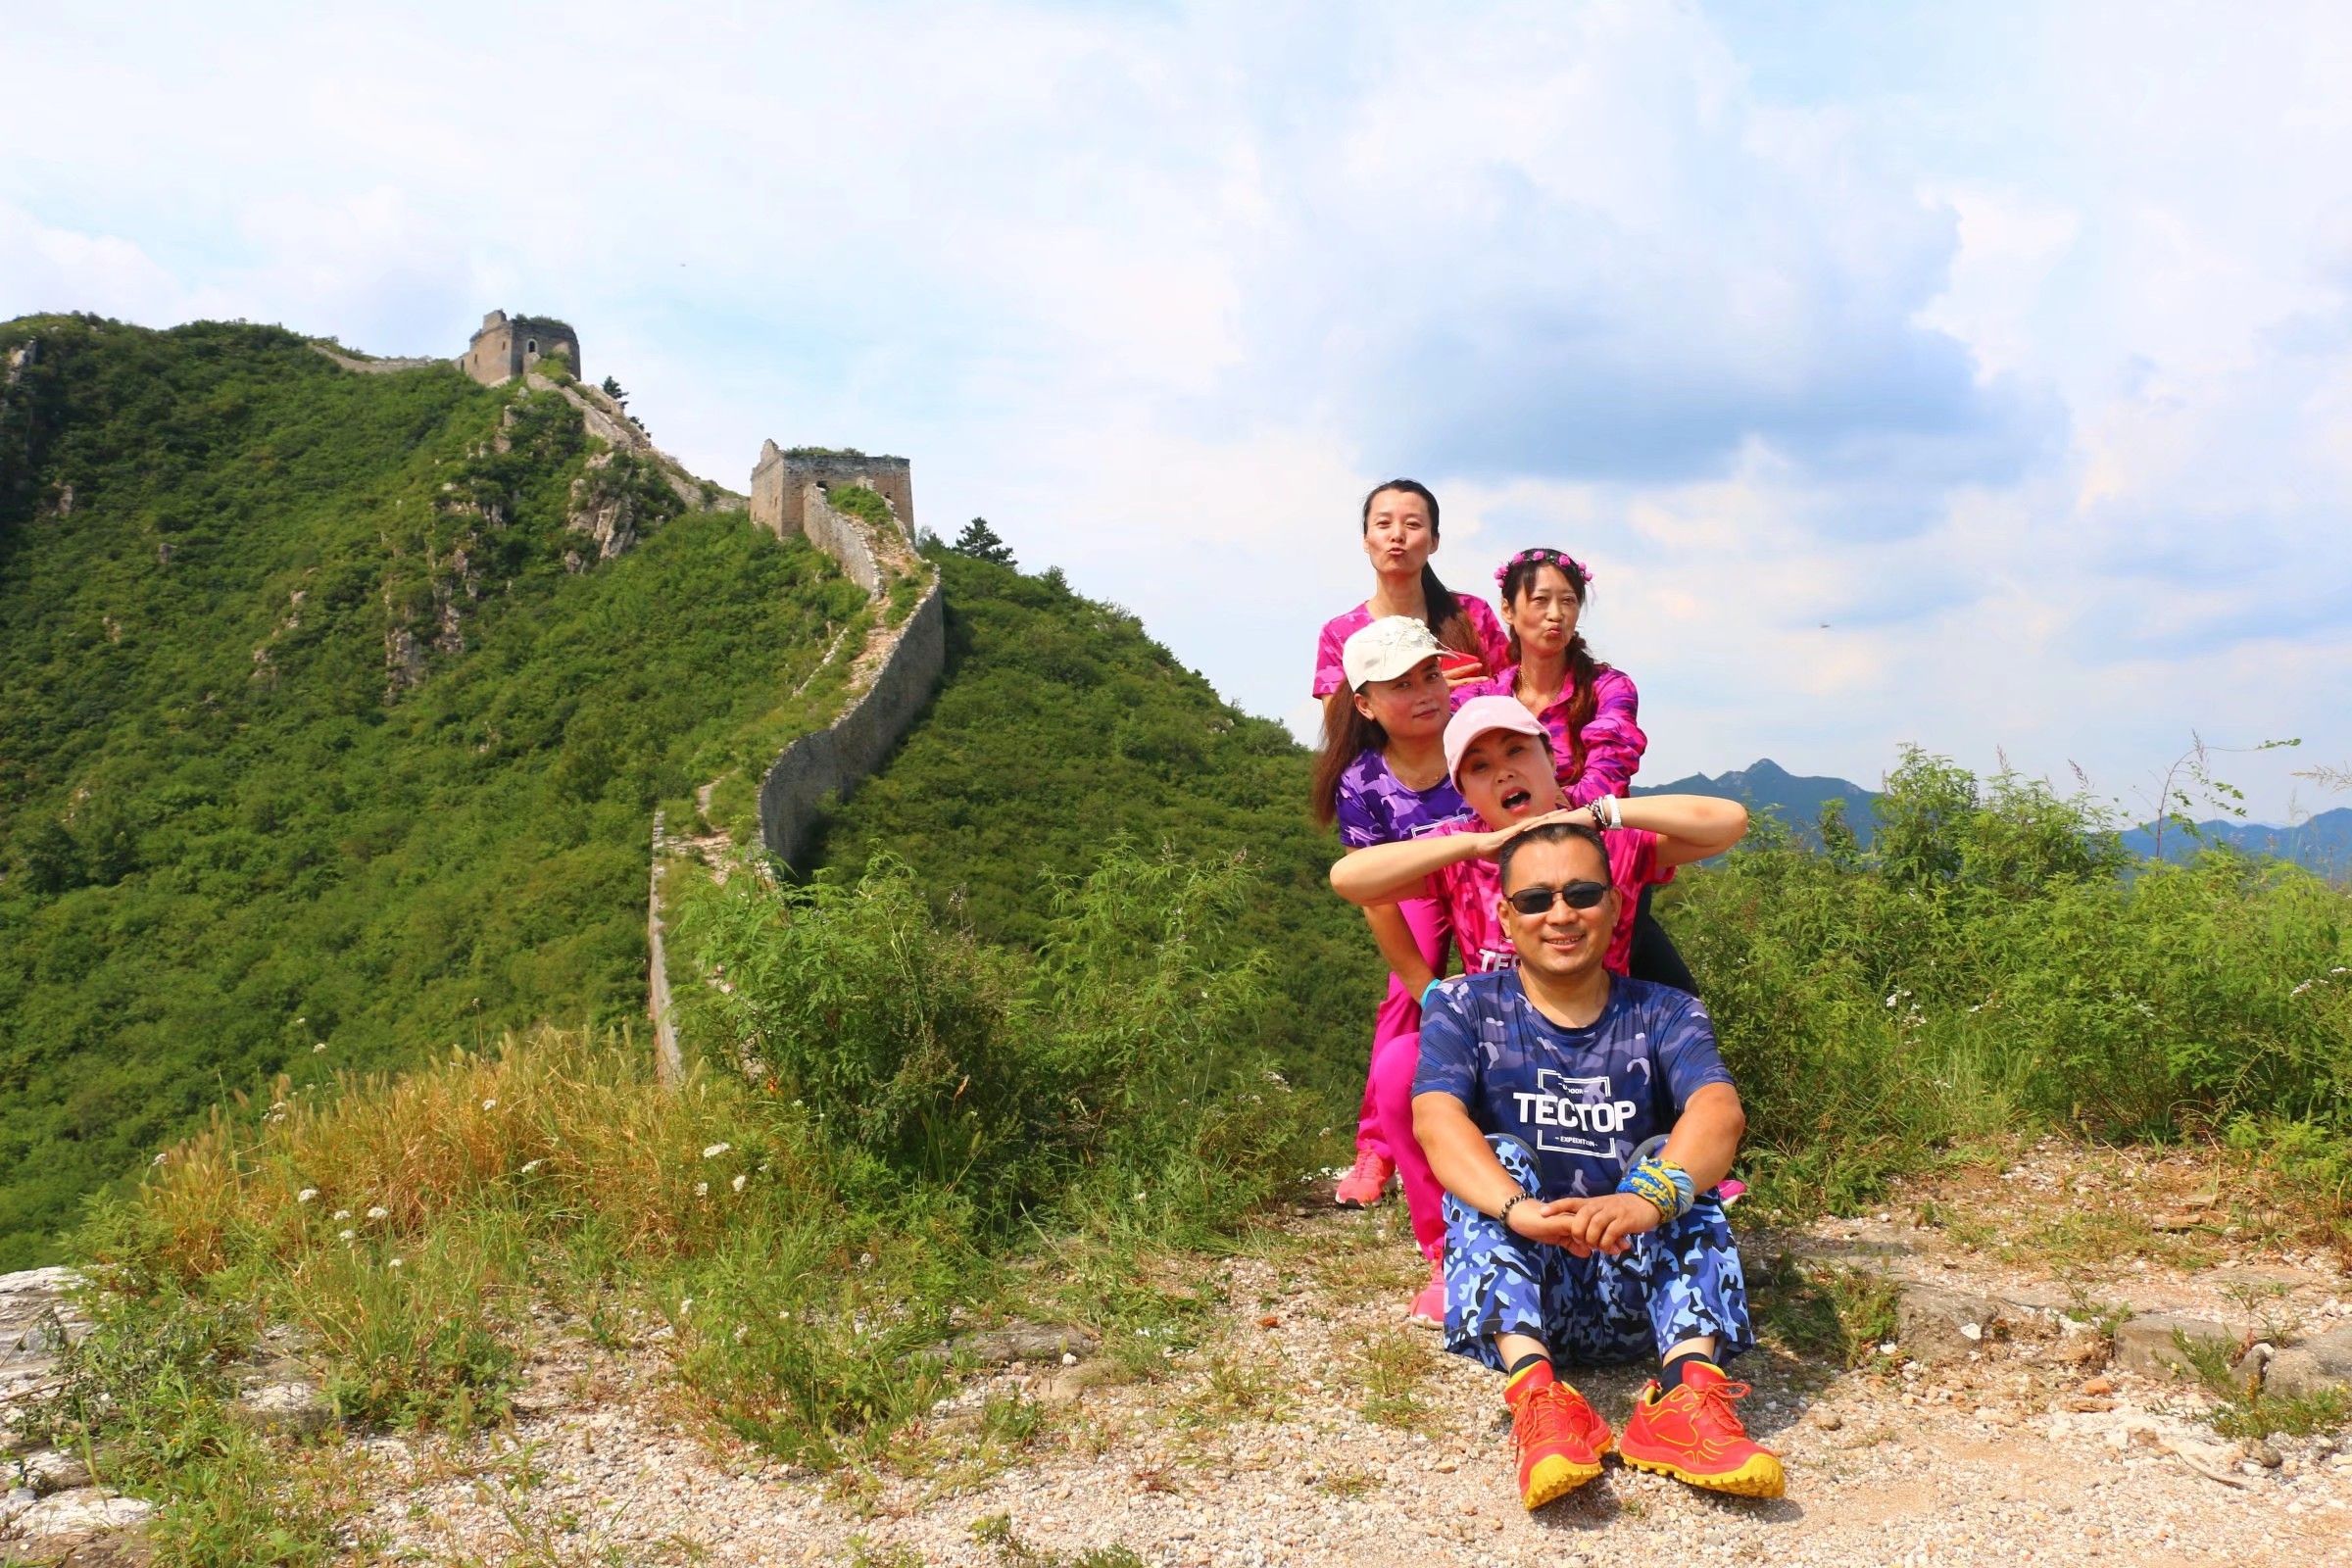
[979, 541]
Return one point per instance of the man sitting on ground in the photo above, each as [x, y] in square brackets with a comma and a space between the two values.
[1537, 1087]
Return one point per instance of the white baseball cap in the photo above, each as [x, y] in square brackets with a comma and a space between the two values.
[1386, 649]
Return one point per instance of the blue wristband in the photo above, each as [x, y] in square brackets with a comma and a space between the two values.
[1426, 989]
[1667, 1186]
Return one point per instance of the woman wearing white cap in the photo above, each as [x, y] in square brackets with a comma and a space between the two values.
[1382, 778]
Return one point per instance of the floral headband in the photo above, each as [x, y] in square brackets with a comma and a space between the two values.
[1543, 556]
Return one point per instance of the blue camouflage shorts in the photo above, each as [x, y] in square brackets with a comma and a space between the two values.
[1676, 1283]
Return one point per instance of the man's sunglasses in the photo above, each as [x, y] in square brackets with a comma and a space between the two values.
[1538, 901]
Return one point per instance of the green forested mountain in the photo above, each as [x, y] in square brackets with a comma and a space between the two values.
[1061, 725]
[318, 724]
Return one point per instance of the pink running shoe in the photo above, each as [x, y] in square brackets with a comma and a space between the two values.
[1429, 1307]
[1366, 1182]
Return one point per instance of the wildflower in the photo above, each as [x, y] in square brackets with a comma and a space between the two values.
[716, 1150]
[1890, 997]
[685, 1305]
[395, 1263]
[306, 1195]
[379, 1211]
[1139, 1197]
[159, 1158]
[865, 1260]
[530, 1165]
[702, 1189]
[2305, 986]
[321, 1045]
[340, 1213]
[740, 1179]
[347, 1235]
[491, 1103]
[742, 1334]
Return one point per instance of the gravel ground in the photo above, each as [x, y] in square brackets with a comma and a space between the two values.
[1254, 1449]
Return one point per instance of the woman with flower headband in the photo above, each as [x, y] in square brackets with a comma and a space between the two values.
[1400, 533]
[1590, 709]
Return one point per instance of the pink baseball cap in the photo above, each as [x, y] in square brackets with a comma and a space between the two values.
[1480, 714]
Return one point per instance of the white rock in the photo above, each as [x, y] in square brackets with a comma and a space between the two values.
[83, 1511]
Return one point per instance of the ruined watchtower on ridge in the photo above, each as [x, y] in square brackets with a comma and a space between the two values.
[507, 346]
[790, 493]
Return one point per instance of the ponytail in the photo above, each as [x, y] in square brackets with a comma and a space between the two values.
[1346, 734]
[1449, 622]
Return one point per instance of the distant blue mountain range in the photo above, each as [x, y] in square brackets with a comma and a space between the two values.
[2321, 843]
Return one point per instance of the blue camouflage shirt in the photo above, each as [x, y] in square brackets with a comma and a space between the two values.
[1583, 1099]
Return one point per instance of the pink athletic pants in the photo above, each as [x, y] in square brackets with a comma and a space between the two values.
[1385, 1123]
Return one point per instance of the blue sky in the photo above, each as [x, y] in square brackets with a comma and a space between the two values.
[1979, 377]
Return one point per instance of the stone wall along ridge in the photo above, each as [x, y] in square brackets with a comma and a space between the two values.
[670, 1068]
[832, 761]
[790, 495]
[503, 349]
[352, 362]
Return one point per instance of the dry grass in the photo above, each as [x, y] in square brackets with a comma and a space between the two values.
[560, 1118]
[1233, 1389]
[1392, 1367]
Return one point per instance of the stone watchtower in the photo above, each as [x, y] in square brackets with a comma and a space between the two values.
[507, 346]
[789, 496]
[782, 482]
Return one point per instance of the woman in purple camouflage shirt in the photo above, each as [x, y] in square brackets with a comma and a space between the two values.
[1382, 778]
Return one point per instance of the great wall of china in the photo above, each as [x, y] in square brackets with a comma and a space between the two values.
[56, 1501]
[892, 674]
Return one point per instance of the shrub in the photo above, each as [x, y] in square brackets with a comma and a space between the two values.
[1992, 968]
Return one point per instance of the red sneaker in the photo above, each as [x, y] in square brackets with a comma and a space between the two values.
[1366, 1182]
[1560, 1441]
[1692, 1433]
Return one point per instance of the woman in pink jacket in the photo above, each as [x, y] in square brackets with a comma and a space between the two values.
[1400, 533]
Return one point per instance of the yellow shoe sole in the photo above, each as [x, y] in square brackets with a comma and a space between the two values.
[1760, 1477]
[1555, 1478]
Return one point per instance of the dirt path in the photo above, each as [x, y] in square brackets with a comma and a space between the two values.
[1314, 1427]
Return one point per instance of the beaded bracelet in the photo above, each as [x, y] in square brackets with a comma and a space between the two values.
[1667, 1186]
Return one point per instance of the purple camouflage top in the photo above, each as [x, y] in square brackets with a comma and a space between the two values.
[1376, 807]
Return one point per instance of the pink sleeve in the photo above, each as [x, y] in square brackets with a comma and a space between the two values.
[1613, 740]
[1633, 860]
[1330, 673]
